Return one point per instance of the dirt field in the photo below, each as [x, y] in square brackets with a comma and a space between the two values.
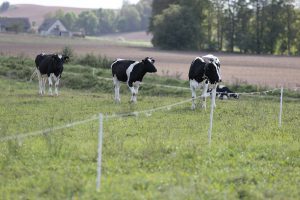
[272, 71]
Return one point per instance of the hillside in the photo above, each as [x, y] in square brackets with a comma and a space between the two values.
[36, 13]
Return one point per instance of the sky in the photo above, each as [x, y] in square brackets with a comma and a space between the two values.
[73, 3]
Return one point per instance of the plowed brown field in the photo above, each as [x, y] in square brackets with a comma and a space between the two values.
[264, 70]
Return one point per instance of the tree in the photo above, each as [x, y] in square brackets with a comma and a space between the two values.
[243, 32]
[157, 8]
[88, 21]
[106, 21]
[145, 10]
[69, 20]
[5, 6]
[129, 19]
[219, 9]
[175, 28]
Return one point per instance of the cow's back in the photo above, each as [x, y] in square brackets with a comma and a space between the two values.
[119, 68]
[39, 59]
[46, 65]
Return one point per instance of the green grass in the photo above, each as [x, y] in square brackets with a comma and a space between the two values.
[164, 155]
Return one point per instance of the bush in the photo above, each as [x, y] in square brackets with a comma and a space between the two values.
[68, 51]
[95, 61]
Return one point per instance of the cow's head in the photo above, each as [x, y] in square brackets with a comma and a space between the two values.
[59, 61]
[149, 65]
[234, 95]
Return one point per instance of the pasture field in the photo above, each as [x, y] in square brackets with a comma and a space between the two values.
[263, 70]
[159, 155]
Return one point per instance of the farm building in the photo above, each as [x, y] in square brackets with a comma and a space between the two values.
[17, 25]
[53, 27]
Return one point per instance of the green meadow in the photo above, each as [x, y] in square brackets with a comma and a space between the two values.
[154, 155]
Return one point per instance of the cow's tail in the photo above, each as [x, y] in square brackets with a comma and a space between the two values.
[33, 74]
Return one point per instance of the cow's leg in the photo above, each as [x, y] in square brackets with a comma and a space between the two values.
[204, 94]
[50, 84]
[56, 84]
[117, 89]
[194, 95]
[136, 89]
[133, 94]
[213, 94]
[43, 83]
[40, 82]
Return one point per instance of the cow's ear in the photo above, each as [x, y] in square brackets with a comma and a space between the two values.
[66, 58]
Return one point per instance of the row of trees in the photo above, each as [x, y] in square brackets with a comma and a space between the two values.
[131, 17]
[247, 26]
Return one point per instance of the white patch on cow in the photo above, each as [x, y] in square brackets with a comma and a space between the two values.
[209, 58]
[59, 56]
[119, 59]
[221, 86]
[129, 69]
[199, 58]
[117, 89]
[194, 83]
[150, 60]
[218, 70]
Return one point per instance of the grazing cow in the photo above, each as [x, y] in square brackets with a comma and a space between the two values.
[131, 72]
[49, 66]
[224, 92]
[204, 70]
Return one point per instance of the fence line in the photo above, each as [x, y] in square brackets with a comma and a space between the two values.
[48, 130]
[186, 88]
[95, 117]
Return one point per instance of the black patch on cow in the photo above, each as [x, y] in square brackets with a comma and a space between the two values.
[119, 68]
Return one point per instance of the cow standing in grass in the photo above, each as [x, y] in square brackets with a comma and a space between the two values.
[49, 66]
[204, 70]
[131, 72]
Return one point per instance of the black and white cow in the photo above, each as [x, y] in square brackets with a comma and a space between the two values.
[224, 92]
[49, 66]
[131, 72]
[204, 70]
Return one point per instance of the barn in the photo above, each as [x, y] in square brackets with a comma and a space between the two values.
[53, 27]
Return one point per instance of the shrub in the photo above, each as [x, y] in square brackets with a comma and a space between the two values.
[95, 61]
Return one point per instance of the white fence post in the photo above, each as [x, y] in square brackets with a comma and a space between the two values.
[280, 111]
[100, 137]
[213, 97]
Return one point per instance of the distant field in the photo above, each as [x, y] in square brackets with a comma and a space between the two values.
[265, 70]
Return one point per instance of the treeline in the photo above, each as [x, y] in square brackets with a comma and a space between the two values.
[246, 26]
[131, 17]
